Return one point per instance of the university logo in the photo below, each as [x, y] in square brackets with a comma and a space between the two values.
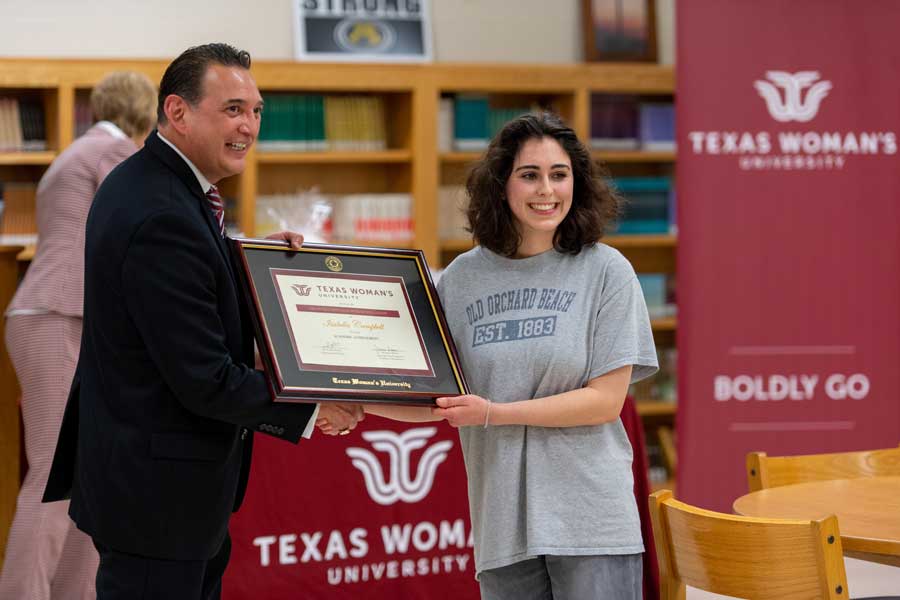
[302, 290]
[400, 484]
[364, 36]
[792, 107]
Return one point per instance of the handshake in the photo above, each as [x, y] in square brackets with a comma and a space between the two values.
[339, 419]
[458, 411]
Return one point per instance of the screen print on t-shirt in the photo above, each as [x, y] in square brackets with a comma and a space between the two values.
[537, 301]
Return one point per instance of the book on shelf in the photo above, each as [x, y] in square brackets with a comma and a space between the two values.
[232, 226]
[307, 116]
[354, 123]
[658, 294]
[647, 205]
[292, 123]
[476, 119]
[84, 115]
[614, 122]
[657, 473]
[470, 123]
[500, 116]
[452, 220]
[445, 124]
[338, 135]
[657, 126]
[11, 138]
[374, 218]
[315, 122]
[17, 209]
[673, 211]
[22, 127]
[663, 386]
[34, 129]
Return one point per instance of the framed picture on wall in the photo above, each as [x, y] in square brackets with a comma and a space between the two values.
[619, 30]
[345, 31]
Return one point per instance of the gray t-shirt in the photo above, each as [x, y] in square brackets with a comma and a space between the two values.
[534, 327]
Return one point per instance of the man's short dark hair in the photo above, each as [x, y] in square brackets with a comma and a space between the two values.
[595, 206]
[184, 77]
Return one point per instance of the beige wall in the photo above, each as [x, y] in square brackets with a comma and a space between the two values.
[464, 30]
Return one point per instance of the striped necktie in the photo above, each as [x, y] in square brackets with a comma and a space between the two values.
[218, 207]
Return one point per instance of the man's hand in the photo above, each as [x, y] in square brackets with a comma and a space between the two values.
[339, 419]
[292, 238]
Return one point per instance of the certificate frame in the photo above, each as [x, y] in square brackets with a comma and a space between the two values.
[347, 323]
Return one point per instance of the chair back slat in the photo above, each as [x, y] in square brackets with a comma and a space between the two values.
[745, 557]
[774, 471]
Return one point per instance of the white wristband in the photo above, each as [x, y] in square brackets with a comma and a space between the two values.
[487, 414]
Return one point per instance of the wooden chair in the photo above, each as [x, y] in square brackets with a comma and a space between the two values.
[765, 471]
[745, 557]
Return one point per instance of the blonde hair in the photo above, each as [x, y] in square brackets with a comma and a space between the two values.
[128, 99]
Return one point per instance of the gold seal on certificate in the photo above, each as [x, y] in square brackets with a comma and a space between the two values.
[342, 323]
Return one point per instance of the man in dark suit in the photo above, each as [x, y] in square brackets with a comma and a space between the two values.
[155, 444]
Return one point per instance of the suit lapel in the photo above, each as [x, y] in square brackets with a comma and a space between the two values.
[171, 159]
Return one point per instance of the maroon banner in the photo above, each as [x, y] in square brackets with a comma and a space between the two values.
[379, 513]
[788, 186]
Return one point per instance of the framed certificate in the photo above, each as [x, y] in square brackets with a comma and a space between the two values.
[348, 324]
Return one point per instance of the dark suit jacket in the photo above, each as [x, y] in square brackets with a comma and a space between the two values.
[154, 446]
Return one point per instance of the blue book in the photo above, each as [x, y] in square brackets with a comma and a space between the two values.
[657, 126]
[470, 123]
[654, 287]
[614, 122]
[647, 204]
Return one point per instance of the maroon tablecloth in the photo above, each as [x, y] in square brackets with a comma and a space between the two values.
[634, 427]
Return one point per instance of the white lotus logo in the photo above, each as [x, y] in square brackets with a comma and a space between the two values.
[792, 109]
[400, 486]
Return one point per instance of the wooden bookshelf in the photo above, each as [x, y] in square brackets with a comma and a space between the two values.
[459, 157]
[411, 94]
[664, 324]
[377, 243]
[633, 156]
[661, 241]
[457, 245]
[26, 254]
[656, 409]
[630, 156]
[27, 158]
[344, 157]
[412, 163]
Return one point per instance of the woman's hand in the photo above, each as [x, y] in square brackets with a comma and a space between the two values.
[598, 402]
[462, 410]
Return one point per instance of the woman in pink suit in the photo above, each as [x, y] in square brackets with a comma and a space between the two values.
[46, 556]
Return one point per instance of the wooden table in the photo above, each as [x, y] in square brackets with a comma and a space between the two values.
[868, 512]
